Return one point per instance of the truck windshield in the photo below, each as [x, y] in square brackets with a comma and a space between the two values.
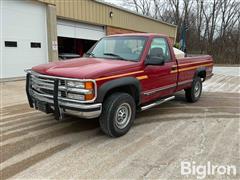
[125, 48]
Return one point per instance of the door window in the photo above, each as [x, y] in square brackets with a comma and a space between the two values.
[159, 47]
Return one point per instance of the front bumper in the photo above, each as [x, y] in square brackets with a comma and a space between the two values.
[59, 105]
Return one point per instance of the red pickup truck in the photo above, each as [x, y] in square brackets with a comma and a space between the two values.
[119, 75]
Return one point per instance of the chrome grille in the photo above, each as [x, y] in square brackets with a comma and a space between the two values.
[42, 87]
[42, 84]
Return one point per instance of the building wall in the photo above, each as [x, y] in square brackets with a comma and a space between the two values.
[94, 12]
[23, 41]
[112, 30]
[52, 33]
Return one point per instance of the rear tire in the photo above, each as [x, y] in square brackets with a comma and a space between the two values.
[194, 93]
[118, 114]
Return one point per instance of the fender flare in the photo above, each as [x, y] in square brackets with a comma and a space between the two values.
[117, 83]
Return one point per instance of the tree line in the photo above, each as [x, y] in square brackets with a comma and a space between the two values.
[213, 26]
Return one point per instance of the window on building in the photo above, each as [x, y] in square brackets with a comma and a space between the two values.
[35, 45]
[10, 43]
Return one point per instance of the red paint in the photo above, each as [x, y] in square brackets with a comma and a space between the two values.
[158, 76]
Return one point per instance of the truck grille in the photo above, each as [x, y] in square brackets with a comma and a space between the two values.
[42, 85]
[45, 85]
[44, 88]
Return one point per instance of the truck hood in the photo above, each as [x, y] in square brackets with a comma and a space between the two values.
[86, 68]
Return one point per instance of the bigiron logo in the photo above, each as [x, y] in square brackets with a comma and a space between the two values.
[201, 171]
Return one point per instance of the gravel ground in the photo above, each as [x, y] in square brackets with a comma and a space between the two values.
[34, 145]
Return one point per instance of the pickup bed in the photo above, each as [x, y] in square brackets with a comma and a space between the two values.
[119, 75]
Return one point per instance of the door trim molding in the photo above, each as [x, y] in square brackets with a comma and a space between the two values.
[153, 91]
[185, 82]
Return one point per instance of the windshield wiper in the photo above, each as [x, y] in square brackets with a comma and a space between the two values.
[114, 55]
[90, 54]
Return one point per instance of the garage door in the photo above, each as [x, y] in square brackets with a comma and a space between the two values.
[24, 36]
[79, 30]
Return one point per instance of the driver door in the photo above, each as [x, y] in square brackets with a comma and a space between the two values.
[161, 81]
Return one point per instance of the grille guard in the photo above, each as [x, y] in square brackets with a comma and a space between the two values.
[58, 102]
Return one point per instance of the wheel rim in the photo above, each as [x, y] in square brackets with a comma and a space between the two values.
[197, 89]
[123, 115]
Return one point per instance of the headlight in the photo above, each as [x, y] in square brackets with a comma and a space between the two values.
[80, 85]
[75, 84]
[83, 91]
[76, 96]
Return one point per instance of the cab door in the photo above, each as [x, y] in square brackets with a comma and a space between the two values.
[162, 78]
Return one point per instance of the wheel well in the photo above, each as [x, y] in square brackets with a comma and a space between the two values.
[202, 74]
[130, 89]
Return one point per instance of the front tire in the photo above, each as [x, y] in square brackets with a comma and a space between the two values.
[194, 93]
[118, 114]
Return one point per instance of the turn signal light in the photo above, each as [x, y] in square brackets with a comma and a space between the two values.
[89, 85]
[89, 97]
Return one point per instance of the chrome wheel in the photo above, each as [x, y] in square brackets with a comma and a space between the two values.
[123, 115]
[197, 89]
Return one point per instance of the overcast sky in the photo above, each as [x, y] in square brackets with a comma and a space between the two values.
[119, 3]
[114, 1]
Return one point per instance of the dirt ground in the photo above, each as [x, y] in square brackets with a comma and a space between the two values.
[34, 145]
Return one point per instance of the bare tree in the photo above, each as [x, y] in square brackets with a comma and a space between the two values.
[141, 6]
[214, 25]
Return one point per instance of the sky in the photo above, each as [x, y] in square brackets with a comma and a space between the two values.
[118, 3]
[114, 1]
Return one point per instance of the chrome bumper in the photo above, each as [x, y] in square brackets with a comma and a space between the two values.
[60, 106]
[87, 111]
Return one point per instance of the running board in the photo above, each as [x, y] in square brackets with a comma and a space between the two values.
[157, 103]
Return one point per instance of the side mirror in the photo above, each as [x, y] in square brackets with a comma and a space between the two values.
[154, 60]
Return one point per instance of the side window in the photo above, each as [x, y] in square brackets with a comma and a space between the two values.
[159, 47]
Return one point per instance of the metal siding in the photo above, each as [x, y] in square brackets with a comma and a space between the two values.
[98, 13]
[23, 22]
[75, 5]
[73, 29]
